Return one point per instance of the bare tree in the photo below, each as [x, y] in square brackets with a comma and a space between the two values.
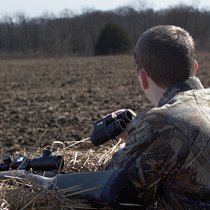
[72, 33]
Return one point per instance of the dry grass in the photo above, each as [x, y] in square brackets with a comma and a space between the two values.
[19, 193]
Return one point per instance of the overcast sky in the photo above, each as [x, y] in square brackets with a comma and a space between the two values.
[35, 8]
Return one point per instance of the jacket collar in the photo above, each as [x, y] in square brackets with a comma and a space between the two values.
[190, 84]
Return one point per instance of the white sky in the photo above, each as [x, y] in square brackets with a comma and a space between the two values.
[33, 8]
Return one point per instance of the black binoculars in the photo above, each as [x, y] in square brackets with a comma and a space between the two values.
[110, 127]
[46, 162]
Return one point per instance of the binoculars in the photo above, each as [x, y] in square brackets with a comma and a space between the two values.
[46, 162]
[110, 127]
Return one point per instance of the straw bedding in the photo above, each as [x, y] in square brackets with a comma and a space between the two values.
[17, 193]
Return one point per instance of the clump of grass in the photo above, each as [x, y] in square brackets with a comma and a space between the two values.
[20, 193]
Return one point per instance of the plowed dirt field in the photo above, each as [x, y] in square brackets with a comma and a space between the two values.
[43, 100]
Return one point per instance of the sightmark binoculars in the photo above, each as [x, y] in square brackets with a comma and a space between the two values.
[109, 127]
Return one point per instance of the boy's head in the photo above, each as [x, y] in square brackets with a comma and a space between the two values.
[167, 54]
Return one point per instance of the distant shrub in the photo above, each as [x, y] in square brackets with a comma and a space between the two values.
[113, 39]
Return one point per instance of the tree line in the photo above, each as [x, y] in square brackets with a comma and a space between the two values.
[78, 34]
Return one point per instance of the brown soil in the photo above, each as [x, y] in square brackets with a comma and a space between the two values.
[62, 97]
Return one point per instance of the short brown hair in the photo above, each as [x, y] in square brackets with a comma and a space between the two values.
[166, 53]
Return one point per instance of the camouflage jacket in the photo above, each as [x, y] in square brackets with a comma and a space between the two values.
[168, 149]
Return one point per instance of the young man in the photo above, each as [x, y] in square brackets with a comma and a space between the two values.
[168, 148]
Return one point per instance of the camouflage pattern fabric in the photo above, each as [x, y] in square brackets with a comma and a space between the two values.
[168, 150]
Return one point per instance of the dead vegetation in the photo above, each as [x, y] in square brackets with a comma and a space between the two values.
[20, 193]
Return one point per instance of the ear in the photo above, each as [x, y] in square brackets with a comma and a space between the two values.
[195, 67]
[143, 79]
